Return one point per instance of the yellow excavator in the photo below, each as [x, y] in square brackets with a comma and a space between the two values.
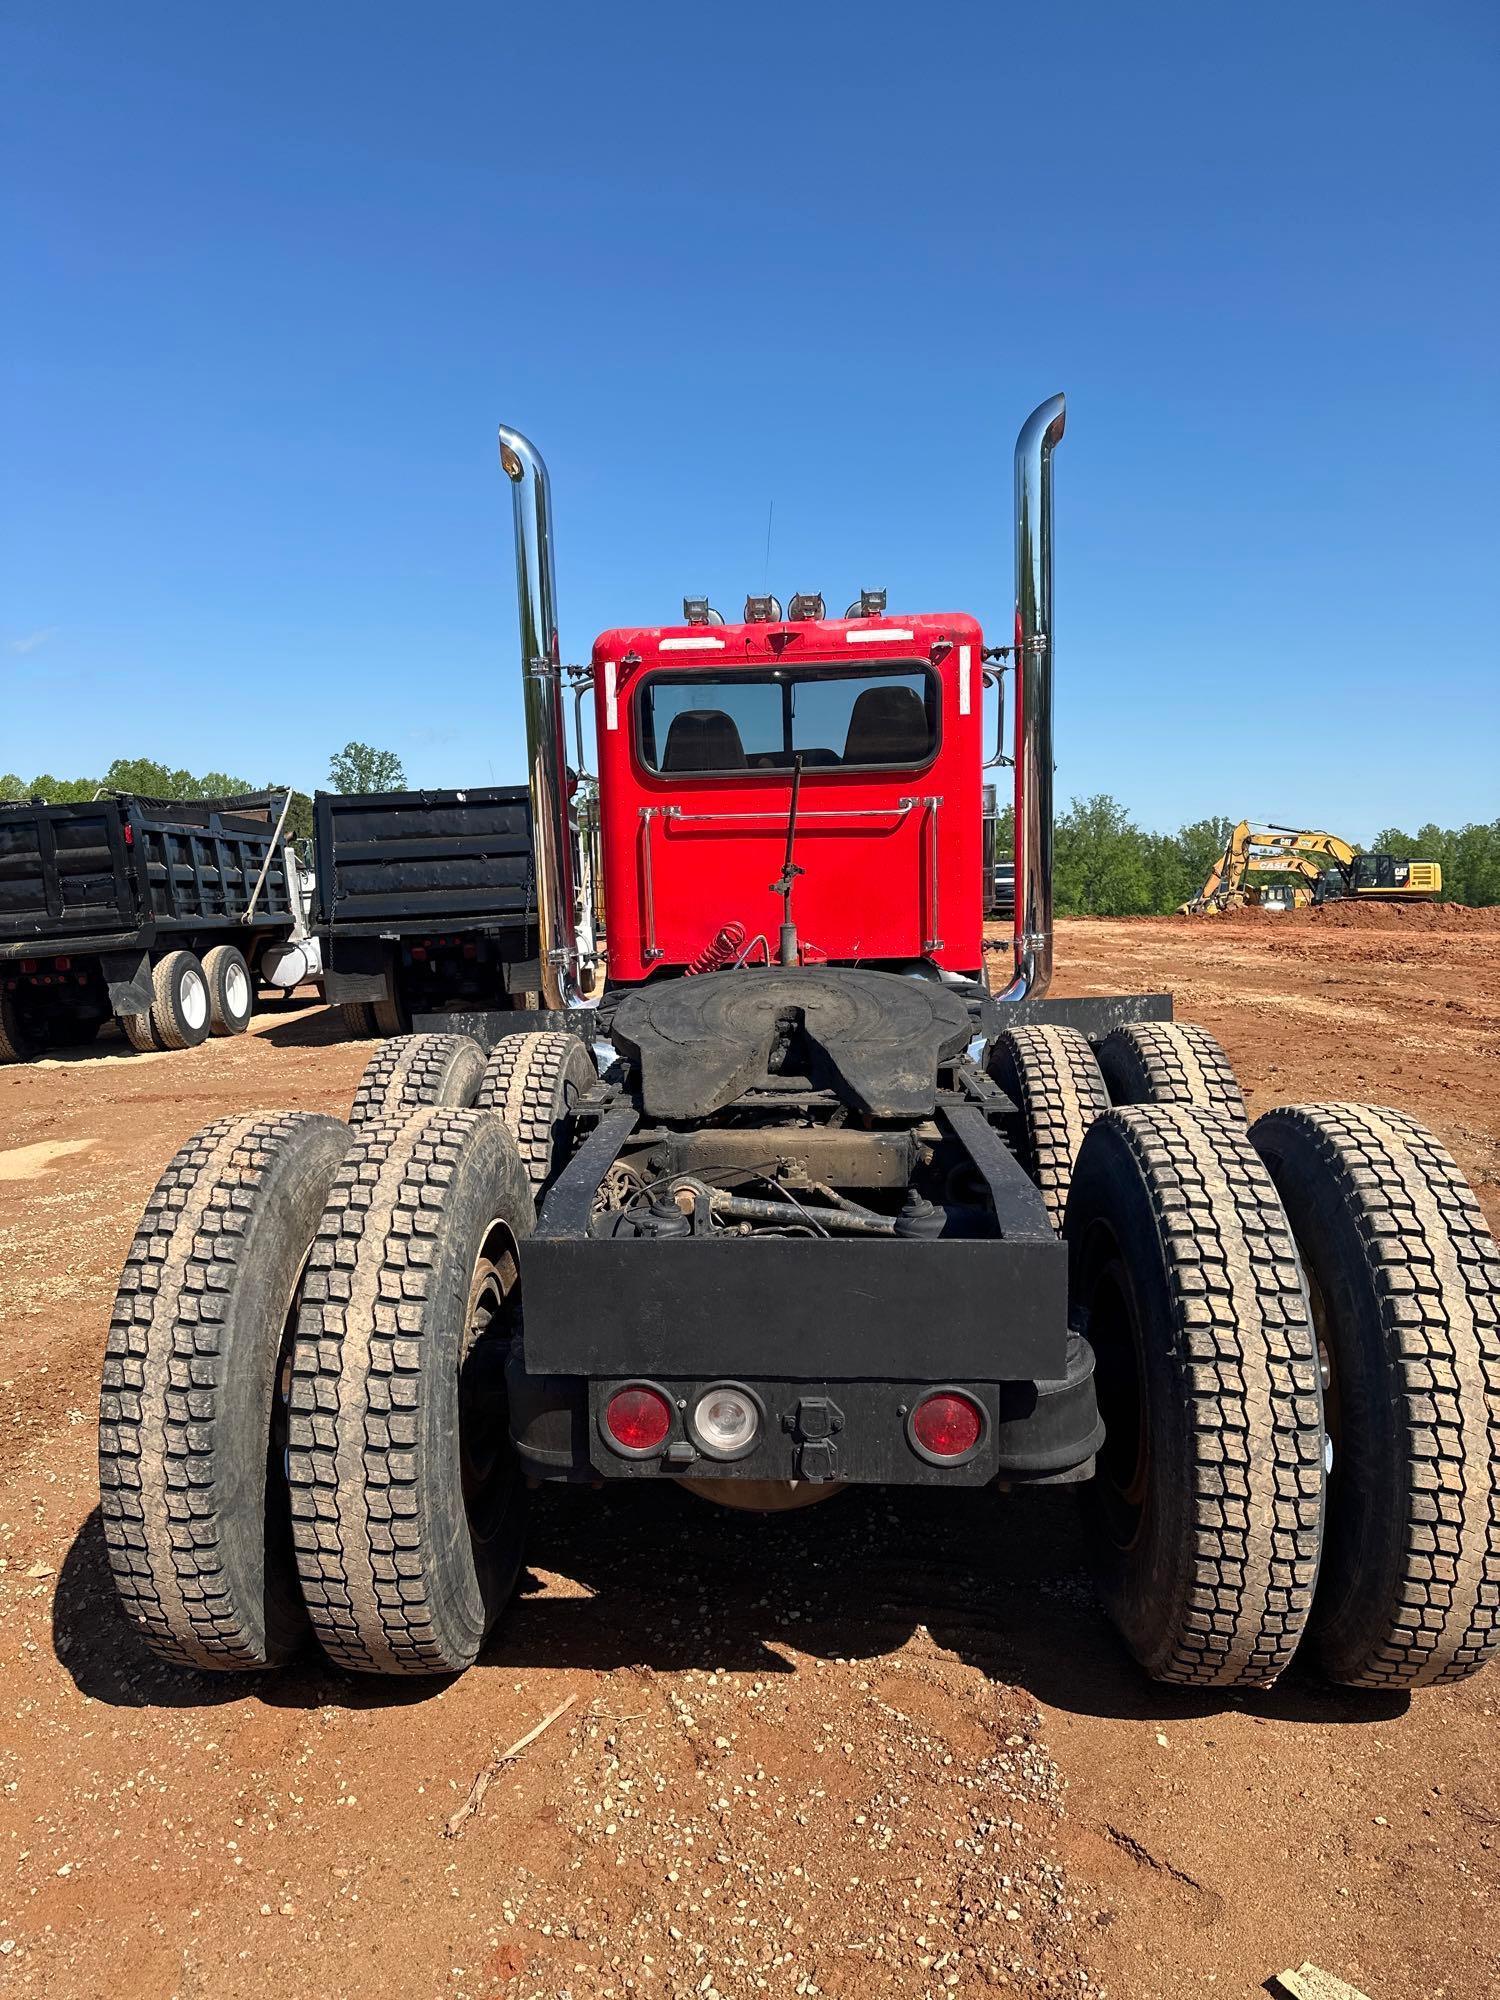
[1258, 848]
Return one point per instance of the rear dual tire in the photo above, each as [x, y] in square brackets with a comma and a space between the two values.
[190, 1484]
[411, 1072]
[534, 1080]
[231, 989]
[1169, 1062]
[1208, 1493]
[365, 1483]
[408, 1508]
[1404, 1279]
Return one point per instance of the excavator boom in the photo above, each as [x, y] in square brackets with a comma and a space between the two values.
[1262, 848]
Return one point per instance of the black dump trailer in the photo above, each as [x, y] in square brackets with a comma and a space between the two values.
[426, 903]
[163, 914]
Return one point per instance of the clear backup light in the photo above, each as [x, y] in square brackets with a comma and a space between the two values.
[762, 610]
[725, 1421]
[870, 604]
[698, 611]
[806, 604]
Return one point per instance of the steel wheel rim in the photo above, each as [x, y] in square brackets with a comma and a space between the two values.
[237, 991]
[487, 1467]
[192, 999]
[1125, 1467]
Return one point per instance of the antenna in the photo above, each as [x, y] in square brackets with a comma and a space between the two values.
[790, 952]
[765, 582]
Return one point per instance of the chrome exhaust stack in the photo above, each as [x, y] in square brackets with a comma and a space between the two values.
[1033, 700]
[565, 978]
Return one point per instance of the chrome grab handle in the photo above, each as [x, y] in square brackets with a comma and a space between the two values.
[934, 942]
[651, 951]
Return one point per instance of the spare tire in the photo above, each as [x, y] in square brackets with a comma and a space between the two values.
[190, 1466]
[1208, 1492]
[411, 1071]
[1405, 1283]
[533, 1081]
[408, 1502]
[1169, 1062]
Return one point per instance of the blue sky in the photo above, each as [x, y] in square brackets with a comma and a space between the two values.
[273, 274]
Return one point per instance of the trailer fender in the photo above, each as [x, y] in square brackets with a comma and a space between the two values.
[127, 980]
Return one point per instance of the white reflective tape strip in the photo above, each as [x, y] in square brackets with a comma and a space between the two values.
[689, 645]
[965, 663]
[883, 638]
[611, 695]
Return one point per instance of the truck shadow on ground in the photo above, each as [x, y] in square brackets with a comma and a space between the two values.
[654, 1577]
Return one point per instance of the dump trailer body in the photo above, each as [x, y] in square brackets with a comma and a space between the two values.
[426, 899]
[93, 895]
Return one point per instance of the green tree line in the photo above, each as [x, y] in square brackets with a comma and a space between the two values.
[1105, 865]
[356, 768]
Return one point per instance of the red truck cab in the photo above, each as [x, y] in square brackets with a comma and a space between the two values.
[698, 727]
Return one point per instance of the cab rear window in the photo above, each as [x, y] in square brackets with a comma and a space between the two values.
[717, 725]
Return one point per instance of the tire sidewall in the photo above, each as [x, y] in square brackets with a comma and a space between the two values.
[176, 974]
[219, 966]
[1111, 1219]
[253, 1515]
[1365, 1510]
[468, 1581]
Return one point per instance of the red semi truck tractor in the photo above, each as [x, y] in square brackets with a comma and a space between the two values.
[795, 1202]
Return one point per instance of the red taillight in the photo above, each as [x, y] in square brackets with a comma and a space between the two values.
[638, 1419]
[947, 1425]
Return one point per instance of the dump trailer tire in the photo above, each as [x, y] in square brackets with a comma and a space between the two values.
[1405, 1283]
[1169, 1062]
[191, 1492]
[17, 1043]
[231, 990]
[1208, 1493]
[140, 1032]
[1053, 1076]
[408, 1503]
[411, 1071]
[390, 1014]
[358, 1018]
[180, 1008]
[533, 1080]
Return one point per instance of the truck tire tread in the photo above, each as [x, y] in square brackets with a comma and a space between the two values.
[186, 1389]
[532, 1080]
[1232, 1381]
[387, 1575]
[1169, 1062]
[1052, 1074]
[410, 1071]
[1407, 1288]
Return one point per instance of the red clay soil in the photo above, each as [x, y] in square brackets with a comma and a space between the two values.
[885, 1747]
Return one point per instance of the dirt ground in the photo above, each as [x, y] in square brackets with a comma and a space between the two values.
[888, 1746]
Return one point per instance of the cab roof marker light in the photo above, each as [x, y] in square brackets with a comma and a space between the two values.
[883, 638]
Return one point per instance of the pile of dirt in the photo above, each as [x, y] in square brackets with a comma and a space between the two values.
[1392, 916]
